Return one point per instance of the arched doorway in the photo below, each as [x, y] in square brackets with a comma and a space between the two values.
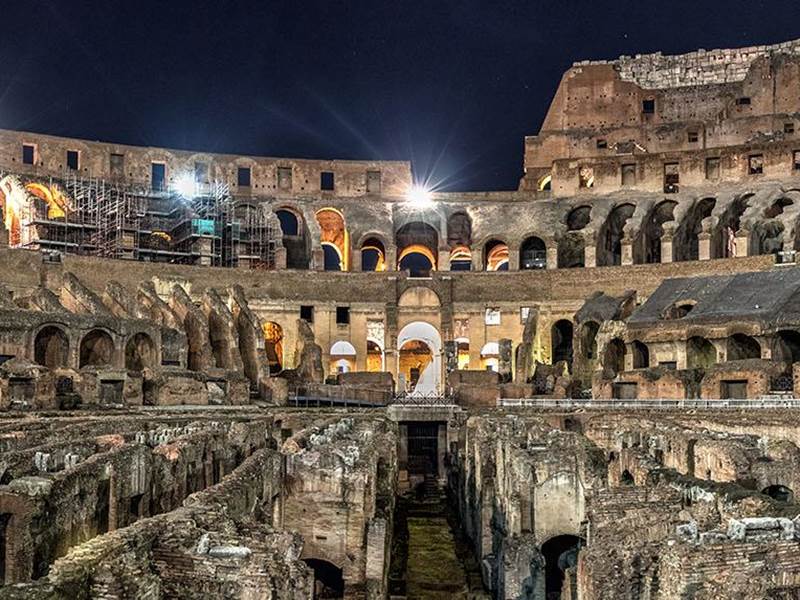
[295, 238]
[51, 348]
[571, 245]
[609, 249]
[462, 353]
[427, 343]
[97, 349]
[561, 342]
[343, 358]
[373, 255]
[418, 260]
[786, 346]
[490, 357]
[328, 579]
[700, 353]
[533, 254]
[614, 358]
[273, 338]
[374, 357]
[641, 355]
[140, 353]
[560, 553]
[653, 231]
[743, 347]
[334, 239]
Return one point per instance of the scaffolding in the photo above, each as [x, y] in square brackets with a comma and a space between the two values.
[113, 220]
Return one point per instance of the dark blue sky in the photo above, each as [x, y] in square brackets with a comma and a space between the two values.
[453, 86]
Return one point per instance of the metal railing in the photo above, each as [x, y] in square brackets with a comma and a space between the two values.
[653, 403]
[423, 400]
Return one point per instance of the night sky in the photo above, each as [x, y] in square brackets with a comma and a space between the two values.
[452, 86]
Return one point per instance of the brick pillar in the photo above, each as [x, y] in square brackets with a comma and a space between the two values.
[355, 260]
[552, 256]
[441, 450]
[317, 259]
[391, 258]
[590, 255]
[477, 260]
[513, 259]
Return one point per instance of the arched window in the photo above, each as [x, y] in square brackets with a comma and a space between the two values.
[334, 239]
[328, 578]
[724, 245]
[273, 338]
[687, 242]
[374, 357]
[700, 353]
[460, 259]
[289, 222]
[571, 245]
[609, 250]
[418, 246]
[641, 355]
[51, 348]
[653, 231]
[560, 554]
[490, 356]
[533, 254]
[97, 349]
[778, 492]
[462, 353]
[626, 478]
[373, 255]
[343, 357]
[140, 353]
[495, 256]
[742, 347]
[561, 339]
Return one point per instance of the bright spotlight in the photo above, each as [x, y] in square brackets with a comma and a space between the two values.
[419, 195]
[186, 186]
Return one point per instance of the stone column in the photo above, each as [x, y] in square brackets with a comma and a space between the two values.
[505, 362]
[666, 249]
[513, 259]
[317, 259]
[391, 258]
[280, 258]
[742, 243]
[402, 453]
[590, 255]
[552, 256]
[627, 251]
[704, 246]
[355, 260]
[477, 260]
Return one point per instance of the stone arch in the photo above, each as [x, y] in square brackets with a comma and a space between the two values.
[641, 355]
[495, 255]
[653, 232]
[295, 237]
[742, 347]
[780, 493]
[490, 356]
[328, 578]
[786, 346]
[373, 254]
[727, 227]
[140, 353]
[700, 353]
[273, 345]
[532, 254]
[560, 553]
[417, 296]
[609, 240]
[374, 356]
[626, 478]
[334, 238]
[51, 347]
[766, 237]
[459, 229]
[561, 335]
[430, 379]
[343, 357]
[417, 246]
[571, 249]
[460, 258]
[687, 238]
[96, 349]
[614, 358]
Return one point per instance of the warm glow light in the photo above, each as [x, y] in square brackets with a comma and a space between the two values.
[185, 186]
[419, 195]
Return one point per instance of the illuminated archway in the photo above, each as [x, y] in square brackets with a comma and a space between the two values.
[462, 353]
[373, 255]
[334, 239]
[428, 343]
[273, 336]
[343, 357]
[419, 260]
[460, 258]
[374, 357]
[490, 356]
[495, 256]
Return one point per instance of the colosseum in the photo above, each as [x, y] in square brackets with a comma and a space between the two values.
[250, 377]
